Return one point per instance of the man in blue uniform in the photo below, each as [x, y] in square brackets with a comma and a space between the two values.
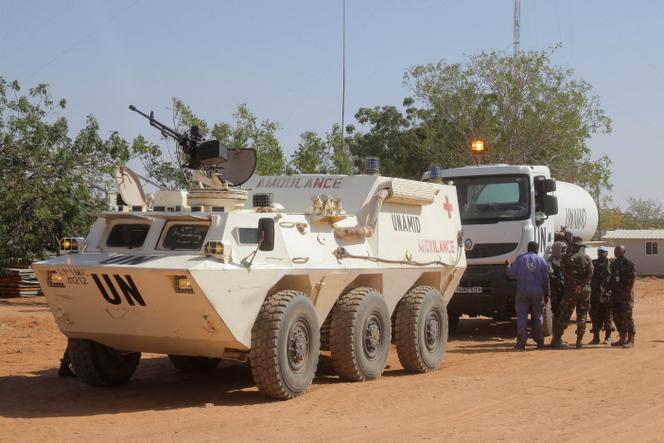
[532, 292]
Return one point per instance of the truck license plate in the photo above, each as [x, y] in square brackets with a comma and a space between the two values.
[469, 290]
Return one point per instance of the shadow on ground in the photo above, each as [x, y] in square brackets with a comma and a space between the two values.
[483, 335]
[155, 386]
[158, 386]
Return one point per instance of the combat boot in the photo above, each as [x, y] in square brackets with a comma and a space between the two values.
[630, 341]
[620, 342]
[579, 341]
[557, 343]
[607, 337]
[595, 340]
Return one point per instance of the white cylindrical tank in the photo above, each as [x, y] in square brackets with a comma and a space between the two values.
[577, 210]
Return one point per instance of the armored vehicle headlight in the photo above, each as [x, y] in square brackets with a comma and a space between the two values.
[214, 248]
[183, 285]
[71, 244]
[218, 250]
[55, 280]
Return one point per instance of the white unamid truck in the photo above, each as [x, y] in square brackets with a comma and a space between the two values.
[502, 208]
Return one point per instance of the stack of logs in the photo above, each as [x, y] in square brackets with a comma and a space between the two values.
[19, 282]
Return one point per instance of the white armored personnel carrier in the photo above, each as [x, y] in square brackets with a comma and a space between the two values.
[271, 274]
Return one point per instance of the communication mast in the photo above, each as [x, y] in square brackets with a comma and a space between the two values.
[517, 26]
[343, 72]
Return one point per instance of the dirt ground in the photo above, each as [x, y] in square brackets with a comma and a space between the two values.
[484, 392]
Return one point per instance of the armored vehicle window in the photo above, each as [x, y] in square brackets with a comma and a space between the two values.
[185, 237]
[248, 236]
[127, 235]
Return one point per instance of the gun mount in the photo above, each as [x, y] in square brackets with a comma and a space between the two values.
[232, 166]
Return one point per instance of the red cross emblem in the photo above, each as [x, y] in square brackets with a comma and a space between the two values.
[447, 206]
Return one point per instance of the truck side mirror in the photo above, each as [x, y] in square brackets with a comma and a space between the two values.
[266, 234]
[544, 185]
[550, 204]
[549, 185]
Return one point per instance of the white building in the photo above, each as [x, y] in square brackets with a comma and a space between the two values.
[643, 248]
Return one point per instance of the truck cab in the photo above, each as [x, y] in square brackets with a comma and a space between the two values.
[502, 208]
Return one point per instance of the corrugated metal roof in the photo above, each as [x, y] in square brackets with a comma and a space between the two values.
[634, 234]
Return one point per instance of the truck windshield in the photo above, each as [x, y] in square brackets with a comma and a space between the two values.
[491, 199]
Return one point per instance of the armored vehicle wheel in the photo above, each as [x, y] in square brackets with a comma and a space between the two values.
[99, 365]
[325, 334]
[194, 365]
[285, 345]
[547, 315]
[421, 329]
[360, 335]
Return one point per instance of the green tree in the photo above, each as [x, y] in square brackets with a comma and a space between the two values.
[312, 155]
[248, 132]
[609, 219]
[643, 213]
[527, 109]
[51, 182]
[341, 156]
[395, 138]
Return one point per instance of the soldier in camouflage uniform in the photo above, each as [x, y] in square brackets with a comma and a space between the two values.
[556, 282]
[600, 311]
[577, 272]
[621, 284]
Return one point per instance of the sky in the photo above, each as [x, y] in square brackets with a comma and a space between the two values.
[283, 59]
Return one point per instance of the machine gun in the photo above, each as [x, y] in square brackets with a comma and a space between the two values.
[236, 165]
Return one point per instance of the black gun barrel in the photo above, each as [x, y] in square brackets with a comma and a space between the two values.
[159, 125]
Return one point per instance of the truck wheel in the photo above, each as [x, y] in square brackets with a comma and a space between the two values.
[194, 365]
[422, 329]
[547, 316]
[453, 321]
[285, 345]
[360, 335]
[99, 365]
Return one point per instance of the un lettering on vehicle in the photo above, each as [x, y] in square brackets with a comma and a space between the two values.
[406, 223]
[575, 218]
[110, 287]
[541, 238]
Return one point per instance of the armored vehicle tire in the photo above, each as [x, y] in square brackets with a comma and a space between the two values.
[421, 329]
[99, 365]
[547, 316]
[194, 365]
[360, 335]
[325, 333]
[453, 321]
[285, 345]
